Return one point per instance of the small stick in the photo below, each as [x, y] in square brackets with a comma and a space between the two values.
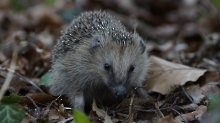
[66, 120]
[176, 112]
[12, 67]
[158, 109]
[131, 104]
[22, 77]
[35, 105]
[187, 95]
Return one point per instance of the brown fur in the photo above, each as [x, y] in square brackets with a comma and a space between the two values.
[93, 40]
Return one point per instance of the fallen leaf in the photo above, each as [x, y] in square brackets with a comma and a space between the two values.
[39, 98]
[209, 83]
[26, 119]
[197, 114]
[100, 112]
[108, 119]
[210, 76]
[195, 92]
[168, 119]
[212, 87]
[163, 75]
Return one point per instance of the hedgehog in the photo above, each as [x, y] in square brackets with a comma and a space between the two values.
[96, 58]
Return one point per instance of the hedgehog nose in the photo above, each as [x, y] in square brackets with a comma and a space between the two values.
[120, 94]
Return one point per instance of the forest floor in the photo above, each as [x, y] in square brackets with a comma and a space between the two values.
[183, 38]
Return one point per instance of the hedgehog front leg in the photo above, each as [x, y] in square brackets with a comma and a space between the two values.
[79, 102]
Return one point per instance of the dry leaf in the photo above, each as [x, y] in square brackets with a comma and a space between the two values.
[39, 98]
[195, 92]
[210, 76]
[169, 119]
[27, 119]
[54, 115]
[212, 87]
[108, 119]
[100, 112]
[197, 114]
[210, 83]
[163, 75]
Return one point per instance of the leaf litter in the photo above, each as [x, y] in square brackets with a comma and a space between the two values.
[184, 58]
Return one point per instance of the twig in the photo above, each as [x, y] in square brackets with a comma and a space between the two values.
[210, 62]
[187, 95]
[136, 109]
[174, 103]
[176, 112]
[54, 100]
[131, 104]
[158, 109]
[35, 105]
[12, 67]
[66, 120]
[22, 77]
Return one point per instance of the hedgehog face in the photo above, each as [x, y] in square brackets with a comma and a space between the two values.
[121, 65]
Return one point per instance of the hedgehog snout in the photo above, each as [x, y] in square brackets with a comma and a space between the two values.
[119, 92]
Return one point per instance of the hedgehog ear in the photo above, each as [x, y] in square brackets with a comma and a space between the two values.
[96, 43]
[143, 46]
[141, 42]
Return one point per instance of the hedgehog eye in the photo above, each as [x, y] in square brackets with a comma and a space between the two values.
[107, 66]
[131, 68]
